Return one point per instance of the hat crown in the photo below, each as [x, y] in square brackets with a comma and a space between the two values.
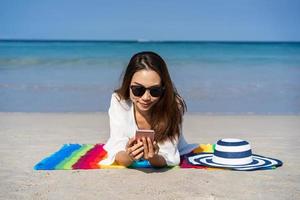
[231, 151]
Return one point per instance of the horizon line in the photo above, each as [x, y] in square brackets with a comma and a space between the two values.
[144, 40]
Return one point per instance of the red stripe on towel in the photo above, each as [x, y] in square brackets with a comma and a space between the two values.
[185, 164]
[91, 159]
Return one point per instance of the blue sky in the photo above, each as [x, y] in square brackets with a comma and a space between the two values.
[217, 20]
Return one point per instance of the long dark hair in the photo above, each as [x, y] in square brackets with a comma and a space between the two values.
[166, 114]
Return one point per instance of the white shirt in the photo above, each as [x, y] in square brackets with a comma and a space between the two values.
[123, 127]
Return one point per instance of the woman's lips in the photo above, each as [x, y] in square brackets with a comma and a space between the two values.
[145, 104]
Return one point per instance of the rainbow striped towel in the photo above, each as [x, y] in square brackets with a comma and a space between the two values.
[88, 156]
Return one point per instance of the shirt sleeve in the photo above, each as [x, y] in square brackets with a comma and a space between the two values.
[117, 140]
[169, 151]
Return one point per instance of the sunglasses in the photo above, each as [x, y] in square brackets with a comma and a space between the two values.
[139, 90]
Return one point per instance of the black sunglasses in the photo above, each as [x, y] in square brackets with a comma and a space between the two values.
[139, 90]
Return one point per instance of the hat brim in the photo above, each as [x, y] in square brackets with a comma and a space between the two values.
[259, 162]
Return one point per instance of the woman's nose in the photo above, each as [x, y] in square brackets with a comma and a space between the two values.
[146, 96]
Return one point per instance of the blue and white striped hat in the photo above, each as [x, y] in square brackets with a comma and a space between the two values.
[233, 154]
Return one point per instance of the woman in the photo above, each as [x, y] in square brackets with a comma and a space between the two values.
[147, 99]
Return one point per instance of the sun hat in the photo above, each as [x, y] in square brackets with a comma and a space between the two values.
[233, 154]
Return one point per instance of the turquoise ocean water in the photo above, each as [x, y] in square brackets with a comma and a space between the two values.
[213, 77]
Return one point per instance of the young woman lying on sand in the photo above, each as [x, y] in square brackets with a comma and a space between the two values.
[147, 99]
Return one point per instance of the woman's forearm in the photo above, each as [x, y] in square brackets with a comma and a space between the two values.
[157, 161]
[122, 158]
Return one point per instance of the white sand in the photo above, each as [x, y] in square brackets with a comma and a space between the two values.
[26, 138]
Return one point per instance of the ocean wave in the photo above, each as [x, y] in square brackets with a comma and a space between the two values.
[11, 62]
[59, 88]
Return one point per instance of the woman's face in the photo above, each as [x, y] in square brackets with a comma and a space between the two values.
[147, 79]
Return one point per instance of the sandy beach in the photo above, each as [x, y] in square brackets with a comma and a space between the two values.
[26, 138]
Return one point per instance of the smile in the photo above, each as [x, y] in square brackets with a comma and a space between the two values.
[145, 105]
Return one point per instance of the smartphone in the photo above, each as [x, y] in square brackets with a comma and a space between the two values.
[144, 133]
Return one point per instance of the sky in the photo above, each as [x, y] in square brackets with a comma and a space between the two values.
[200, 20]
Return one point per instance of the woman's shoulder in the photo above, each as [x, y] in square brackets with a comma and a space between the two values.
[119, 103]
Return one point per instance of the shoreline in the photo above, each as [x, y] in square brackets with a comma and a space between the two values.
[27, 138]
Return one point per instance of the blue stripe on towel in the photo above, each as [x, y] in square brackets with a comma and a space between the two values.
[140, 164]
[50, 162]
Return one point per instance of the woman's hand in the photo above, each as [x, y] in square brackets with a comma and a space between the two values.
[150, 148]
[134, 150]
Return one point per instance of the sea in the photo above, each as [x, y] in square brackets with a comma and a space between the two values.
[259, 78]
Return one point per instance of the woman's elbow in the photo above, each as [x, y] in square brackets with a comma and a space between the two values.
[123, 159]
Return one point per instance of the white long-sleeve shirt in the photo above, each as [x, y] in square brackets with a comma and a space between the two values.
[123, 127]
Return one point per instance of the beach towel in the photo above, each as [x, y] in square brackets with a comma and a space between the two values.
[88, 156]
